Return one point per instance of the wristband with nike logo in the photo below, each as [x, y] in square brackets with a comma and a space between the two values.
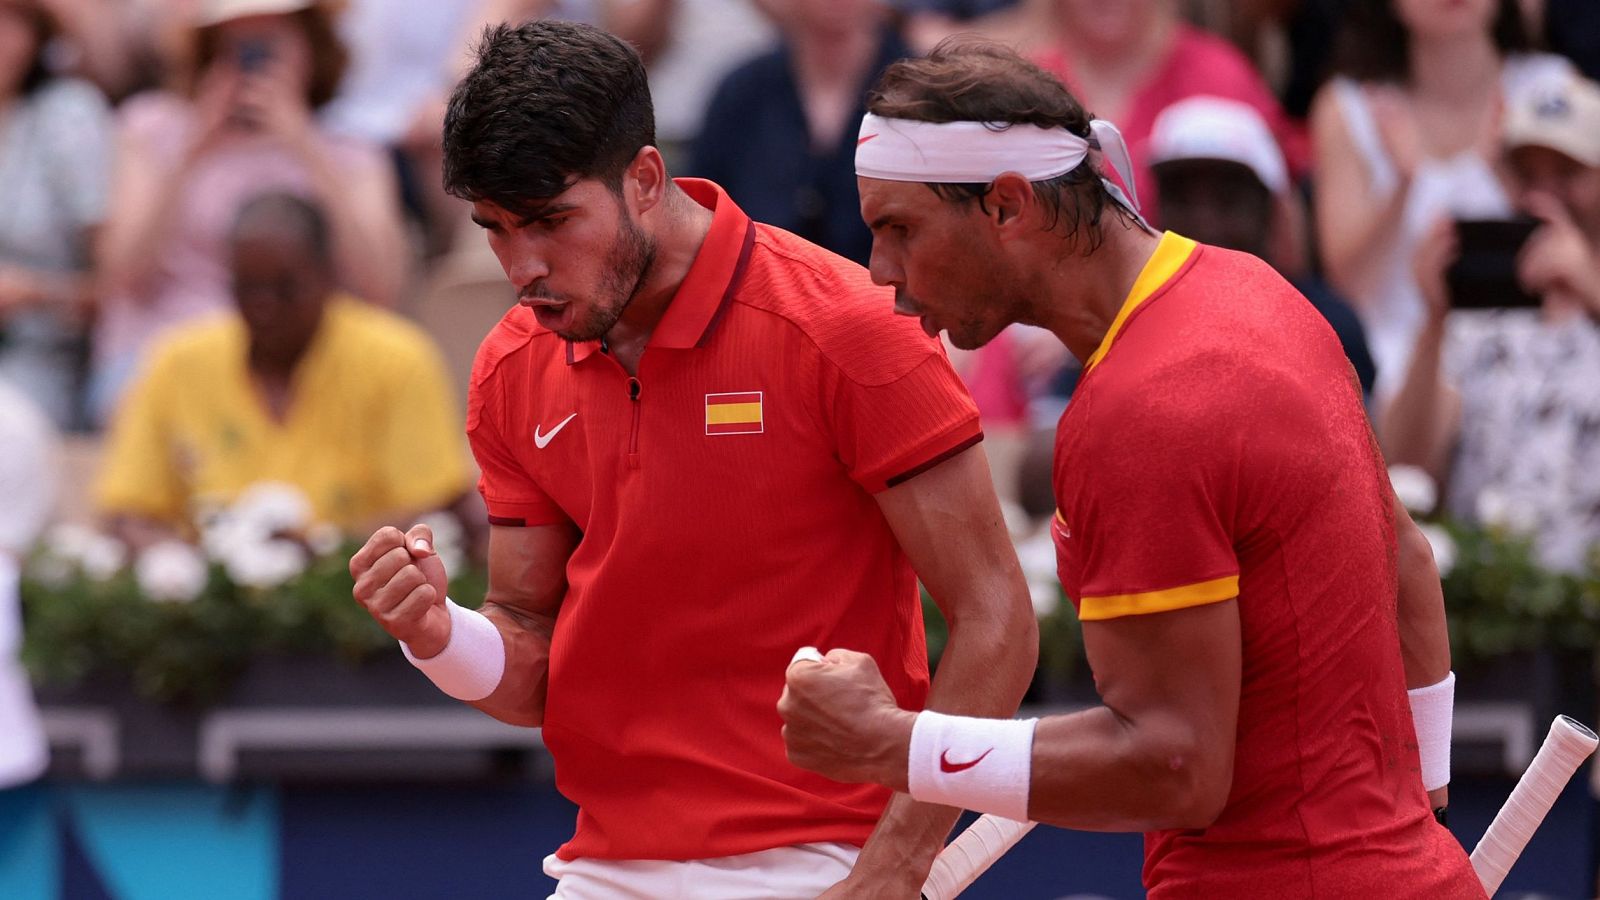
[969, 763]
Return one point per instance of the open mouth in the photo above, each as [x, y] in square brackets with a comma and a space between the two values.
[552, 314]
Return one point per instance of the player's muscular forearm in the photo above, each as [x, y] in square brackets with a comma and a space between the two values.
[527, 581]
[1424, 636]
[1157, 754]
[402, 584]
[949, 523]
[1424, 633]
[519, 698]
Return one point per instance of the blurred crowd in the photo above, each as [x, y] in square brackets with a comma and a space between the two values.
[226, 258]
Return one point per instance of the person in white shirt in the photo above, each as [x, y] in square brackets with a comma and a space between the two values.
[28, 482]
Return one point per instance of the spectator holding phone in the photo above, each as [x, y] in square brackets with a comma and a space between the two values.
[1502, 403]
[1407, 134]
[261, 69]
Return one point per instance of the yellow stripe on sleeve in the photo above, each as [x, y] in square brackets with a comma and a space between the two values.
[732, 413]
[1094, 609]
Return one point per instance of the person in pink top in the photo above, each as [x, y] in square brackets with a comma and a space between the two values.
[187, 163]
[1130, 59]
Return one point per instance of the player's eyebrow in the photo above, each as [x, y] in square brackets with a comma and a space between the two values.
[544, 212]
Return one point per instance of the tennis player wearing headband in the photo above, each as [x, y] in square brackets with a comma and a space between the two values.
[1254, 601]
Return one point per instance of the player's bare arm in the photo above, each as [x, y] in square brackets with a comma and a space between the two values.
[1157, 754]
[1424, 647]
[949, 523]
[1424, 638]
[402, 584]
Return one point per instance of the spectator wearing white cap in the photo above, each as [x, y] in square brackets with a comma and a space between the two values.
[1500, 405]
[1223, 181]
[186, 163]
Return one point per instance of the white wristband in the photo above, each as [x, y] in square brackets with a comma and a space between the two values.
[1432, 710]
[979, 764]
[472, 662]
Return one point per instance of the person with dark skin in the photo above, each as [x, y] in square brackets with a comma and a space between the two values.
[303, 385]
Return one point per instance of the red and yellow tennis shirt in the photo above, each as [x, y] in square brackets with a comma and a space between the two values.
[1217, 448]
[725, 497]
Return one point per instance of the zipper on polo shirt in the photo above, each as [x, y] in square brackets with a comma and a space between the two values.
[634, 390]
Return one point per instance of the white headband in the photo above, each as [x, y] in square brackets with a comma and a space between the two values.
[980, 152]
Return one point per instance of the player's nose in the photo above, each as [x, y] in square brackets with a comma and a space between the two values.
[524, 264]
[885, 270]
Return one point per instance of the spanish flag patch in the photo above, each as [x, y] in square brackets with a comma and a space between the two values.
[734, 413]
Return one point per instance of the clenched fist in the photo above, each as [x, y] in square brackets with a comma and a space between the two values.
[401, 583]
[840, 720]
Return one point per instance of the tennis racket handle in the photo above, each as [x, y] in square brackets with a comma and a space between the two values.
[970, 854]
[1565, 748]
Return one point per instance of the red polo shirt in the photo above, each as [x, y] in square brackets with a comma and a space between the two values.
[1216, 447]
[725, 500]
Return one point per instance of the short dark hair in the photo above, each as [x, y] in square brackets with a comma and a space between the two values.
[1374, 45]
[966, 79]
[548, 103]
[279, 213]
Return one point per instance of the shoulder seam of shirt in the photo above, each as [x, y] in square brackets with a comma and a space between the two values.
[492, 370]
[797, 326]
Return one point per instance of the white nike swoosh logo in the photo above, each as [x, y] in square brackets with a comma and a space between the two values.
[540, 440]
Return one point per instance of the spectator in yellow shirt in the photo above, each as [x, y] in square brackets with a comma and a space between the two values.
[346, 401]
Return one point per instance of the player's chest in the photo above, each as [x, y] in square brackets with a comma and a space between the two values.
[690, 427]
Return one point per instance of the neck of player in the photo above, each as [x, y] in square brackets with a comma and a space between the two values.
[1078, 296]
[679, 227]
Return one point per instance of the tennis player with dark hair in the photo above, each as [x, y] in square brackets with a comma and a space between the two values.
[1254, 602]
[703, 443]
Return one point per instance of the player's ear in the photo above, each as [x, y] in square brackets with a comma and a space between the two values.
[1009, 197]
[644, 181]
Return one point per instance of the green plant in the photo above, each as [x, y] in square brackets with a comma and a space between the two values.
[1501, 599]
[191, 651]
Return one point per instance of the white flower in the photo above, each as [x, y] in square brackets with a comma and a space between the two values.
[225, 533]
[68, 542]
[1444, 546]
[103, 557]
[324, 539]
[1415, 488]
[266, 564]
[272, 507]
[1046, 597]
[171, 572]
[1496, 508]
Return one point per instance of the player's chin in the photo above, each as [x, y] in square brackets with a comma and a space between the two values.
[969, 337]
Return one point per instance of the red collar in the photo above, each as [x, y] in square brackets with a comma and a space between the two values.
[705, 292]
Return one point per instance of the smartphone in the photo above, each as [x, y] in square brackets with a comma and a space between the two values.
[1485, 275]
[253, 54]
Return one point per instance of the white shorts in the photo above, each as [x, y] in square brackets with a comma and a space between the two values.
[800, 872]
